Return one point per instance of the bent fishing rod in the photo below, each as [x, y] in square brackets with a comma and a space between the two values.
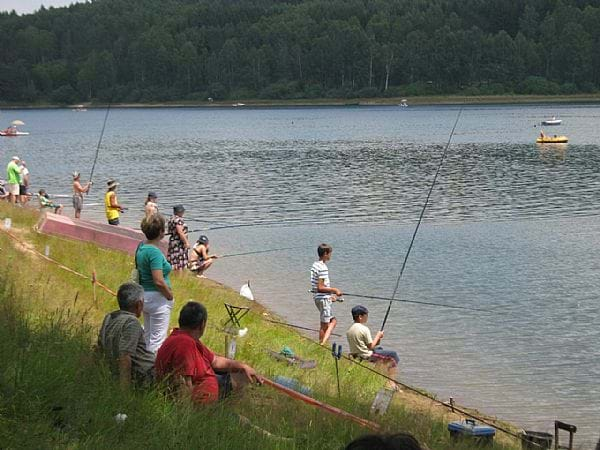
[412, 241]
[100, 140]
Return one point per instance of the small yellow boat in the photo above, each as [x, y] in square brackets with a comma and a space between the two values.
[552, 140]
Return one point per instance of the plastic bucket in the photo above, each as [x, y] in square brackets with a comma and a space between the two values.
[530, 438]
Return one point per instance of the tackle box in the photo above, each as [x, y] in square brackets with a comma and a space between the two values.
[468, 429]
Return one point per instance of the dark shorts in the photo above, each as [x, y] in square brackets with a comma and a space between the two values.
[225, 385]
[385, 356]
[113, 222]
[22, 189]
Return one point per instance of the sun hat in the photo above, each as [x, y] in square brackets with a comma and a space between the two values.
[111, 184]
[359, 310]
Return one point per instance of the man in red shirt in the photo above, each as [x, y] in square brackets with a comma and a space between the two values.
[191, 368]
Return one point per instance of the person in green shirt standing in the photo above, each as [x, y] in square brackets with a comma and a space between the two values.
[13, 176]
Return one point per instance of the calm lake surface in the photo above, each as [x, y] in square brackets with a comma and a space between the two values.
[512, 228]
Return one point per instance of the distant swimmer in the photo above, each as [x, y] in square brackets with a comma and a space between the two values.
[323, 293]
[113, 209]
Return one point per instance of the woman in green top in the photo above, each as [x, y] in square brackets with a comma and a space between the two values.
[154, 272]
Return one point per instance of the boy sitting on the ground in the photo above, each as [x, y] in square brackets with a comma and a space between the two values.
[364, 347]
[191, 369]
[45, 202]
[121, 338]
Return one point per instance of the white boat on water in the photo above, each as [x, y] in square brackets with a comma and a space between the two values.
[79, 108]
[553, 121]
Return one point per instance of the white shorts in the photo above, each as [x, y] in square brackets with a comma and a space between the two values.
[13, 189]
[324, 307]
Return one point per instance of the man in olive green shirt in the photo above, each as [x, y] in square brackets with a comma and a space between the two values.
[121, 339]
[13, 178]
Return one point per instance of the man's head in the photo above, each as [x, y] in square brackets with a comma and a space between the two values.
[193, 317]
[15, 159]
[152, 196]
[131, 298]
[111, 185]
[360, 313]
[324, 251]
[153, 226]
[76, 175]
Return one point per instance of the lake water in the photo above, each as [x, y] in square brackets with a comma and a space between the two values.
[512, 228]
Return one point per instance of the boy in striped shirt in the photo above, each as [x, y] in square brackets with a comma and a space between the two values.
[324, 294]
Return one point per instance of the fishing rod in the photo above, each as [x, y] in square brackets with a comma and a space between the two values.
[389, 299]
[258, 251]
[297, 326]
[437, 172]
[100, 140]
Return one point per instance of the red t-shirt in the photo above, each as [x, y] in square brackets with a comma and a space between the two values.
[181, 354]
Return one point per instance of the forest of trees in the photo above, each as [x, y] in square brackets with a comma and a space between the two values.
[164, 50]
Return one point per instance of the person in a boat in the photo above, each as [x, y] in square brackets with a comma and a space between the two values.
[154, 270]
[200, 260]
[191, 370]
[78, 191]
[363, 346]
[151, 204]
[111, 203]
[121, 339]
[323, 293]
[45, 202]
[179, 245]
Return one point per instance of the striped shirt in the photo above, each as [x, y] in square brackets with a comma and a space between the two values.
[319, 271]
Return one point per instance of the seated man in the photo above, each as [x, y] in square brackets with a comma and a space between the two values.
[191, 368]
[121, 338]
[364, 347]
[45, 202]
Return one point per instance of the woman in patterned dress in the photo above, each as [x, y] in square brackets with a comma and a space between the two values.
[178, 241]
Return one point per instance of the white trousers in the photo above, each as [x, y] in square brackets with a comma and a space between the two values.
[157, 315]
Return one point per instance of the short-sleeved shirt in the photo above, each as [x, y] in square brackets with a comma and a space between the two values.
[359, 337]
[23, 176]
[150, 258]
[182, 355]
[319, 270]
[120, 333]
[13, 173]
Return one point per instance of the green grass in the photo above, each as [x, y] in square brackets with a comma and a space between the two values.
[56, 393]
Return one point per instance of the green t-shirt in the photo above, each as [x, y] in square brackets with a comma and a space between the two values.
[13, 173]
[150, 258]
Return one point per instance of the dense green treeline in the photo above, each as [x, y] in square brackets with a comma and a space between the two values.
[160, 50]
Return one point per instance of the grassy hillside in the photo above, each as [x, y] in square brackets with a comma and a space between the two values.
[56, 393]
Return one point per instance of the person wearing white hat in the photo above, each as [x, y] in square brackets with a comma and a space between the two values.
[78, 191]
[13, 176]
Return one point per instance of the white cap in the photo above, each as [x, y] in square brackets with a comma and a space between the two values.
[15, 158]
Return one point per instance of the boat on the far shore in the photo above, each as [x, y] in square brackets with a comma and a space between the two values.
[9, 133]
[551, 122]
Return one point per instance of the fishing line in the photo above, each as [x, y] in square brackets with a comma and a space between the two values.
[259, 251]
[101, 136]
[437, 172]
[374, 297]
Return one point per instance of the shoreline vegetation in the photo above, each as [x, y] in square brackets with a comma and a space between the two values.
[56, 392]
[457, 100]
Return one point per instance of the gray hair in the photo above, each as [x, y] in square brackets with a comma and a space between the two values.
[129, 294]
